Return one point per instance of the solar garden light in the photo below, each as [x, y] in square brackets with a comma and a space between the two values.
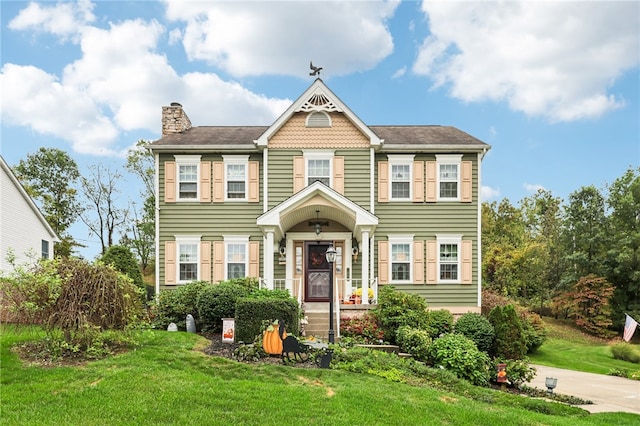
[550, 383]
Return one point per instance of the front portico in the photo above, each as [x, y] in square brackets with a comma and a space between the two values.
[297, 231]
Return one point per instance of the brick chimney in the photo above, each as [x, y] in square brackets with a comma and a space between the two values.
[174, 119]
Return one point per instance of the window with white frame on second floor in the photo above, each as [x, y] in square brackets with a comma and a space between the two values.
[449, 177]
[187, 181]
[235, 176]
[319, 170]
[236, 181]
[400, 261]
[188, 261]
[401, 170]
[400, 181]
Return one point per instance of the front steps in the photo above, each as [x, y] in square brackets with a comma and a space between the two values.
[317, 314]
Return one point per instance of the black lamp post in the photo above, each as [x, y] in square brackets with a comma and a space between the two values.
[331, 258]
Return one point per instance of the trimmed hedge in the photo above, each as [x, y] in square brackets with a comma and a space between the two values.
[251, 313]
[219, 301]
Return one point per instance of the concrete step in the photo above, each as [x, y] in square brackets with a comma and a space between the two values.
[318, 324]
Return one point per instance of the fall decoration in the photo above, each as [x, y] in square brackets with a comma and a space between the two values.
[271, 341]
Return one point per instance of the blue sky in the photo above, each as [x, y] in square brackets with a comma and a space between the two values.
[553, 87]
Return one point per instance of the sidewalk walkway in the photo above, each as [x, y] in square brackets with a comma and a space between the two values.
[608, 393]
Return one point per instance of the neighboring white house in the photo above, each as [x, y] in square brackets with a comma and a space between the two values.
[23, 228]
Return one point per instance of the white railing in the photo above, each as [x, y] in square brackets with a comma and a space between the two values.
[293, 285]
[354, 294]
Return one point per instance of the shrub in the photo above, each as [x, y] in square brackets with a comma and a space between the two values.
[510, 341]
[439, 322]
[491, 299]
[414, 341]
[29, 292]
[218, 301]
[123, 260]
[477, 328]
[518, 371]
[251, 313]
[173, 306]
[460, 355]
[377, 363]
[626, 352]
[396, 309]
[533, 328]
[264, 293]
[363, 329]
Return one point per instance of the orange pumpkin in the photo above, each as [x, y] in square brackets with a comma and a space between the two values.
[271, 341]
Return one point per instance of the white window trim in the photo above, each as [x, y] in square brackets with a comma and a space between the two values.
[187, 160]
[449, 239]
[448, 159]
[185, 240]
[318, 155]
[400, 160]
[236, 160]
[235, 239]
[400, 239]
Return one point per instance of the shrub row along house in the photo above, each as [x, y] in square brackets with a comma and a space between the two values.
[400, 205]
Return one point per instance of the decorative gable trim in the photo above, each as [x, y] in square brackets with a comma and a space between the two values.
[318, 97]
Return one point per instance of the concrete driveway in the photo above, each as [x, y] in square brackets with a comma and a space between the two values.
[608, 393]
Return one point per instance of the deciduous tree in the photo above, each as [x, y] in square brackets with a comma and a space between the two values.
[49, 177]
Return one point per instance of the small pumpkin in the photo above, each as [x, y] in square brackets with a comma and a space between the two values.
[271, 340]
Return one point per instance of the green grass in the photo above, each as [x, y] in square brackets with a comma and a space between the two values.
[567, 347]
[168, 381]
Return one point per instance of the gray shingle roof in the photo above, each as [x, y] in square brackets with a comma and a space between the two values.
[425, 135]
[229, 136]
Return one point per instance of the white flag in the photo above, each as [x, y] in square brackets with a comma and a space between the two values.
[629, 328]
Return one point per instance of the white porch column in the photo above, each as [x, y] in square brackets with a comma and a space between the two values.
[365, 267]
[267, 265]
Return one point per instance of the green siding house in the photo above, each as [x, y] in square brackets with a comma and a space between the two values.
[400, 204]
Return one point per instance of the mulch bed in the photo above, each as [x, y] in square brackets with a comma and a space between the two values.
[225, 350]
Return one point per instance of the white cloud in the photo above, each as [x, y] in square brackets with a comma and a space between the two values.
[63, 19]
[259, 38]
[533, 187]
[487, 193]
[119, 84]
[550, 59]
[400, 73]
[40, 101]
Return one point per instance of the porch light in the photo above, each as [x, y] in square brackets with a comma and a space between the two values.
[331, 258]
[317, 224]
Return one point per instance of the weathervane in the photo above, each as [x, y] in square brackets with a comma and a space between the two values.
[314, 70]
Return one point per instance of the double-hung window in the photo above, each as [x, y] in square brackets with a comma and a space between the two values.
[187, 248]
[318, 166]
[188, 176]
[45, 249]
[449, 177]
[236, 177]
[400, 256]
[236, 259]
[401, 168]
[449, 256]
